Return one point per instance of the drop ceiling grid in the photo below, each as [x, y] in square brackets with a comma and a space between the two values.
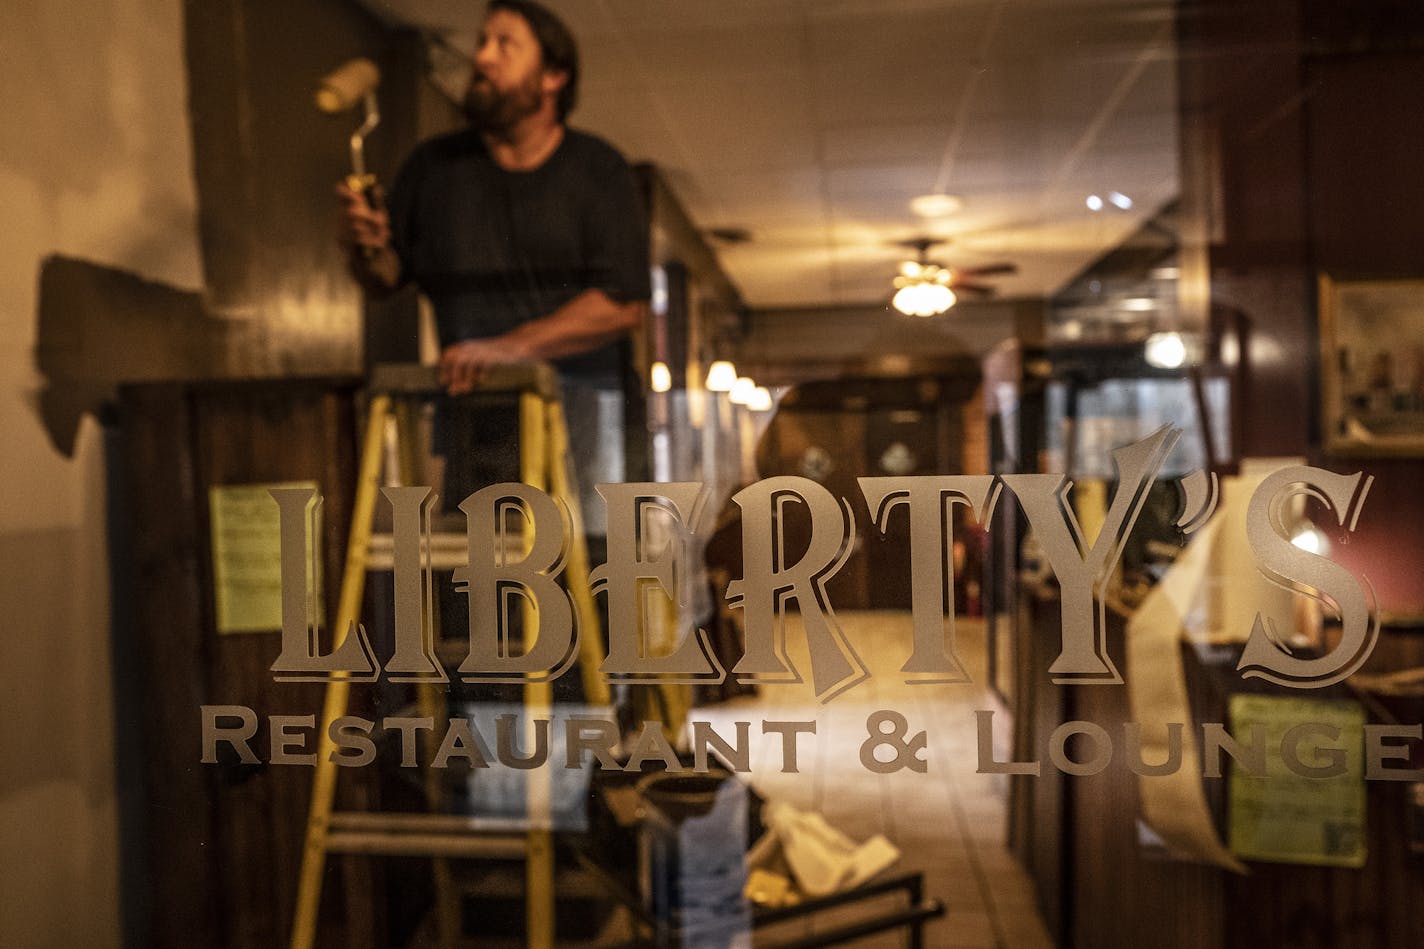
[914, 72]
[812, 123]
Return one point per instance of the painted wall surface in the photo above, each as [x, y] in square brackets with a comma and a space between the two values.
[95, 164]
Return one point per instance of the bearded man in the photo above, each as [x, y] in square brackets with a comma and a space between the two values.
[526, 235]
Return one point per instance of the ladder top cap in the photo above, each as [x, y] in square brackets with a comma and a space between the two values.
[415, 379]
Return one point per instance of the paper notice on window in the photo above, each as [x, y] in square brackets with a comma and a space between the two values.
[247, 558]
[1287, 817]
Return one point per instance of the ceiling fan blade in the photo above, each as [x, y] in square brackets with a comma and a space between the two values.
[988, 270]
[921, 243]
[973, 289]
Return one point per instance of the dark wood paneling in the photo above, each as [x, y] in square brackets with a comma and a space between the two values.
[1122, 893]
[1100, 887]
[266, 162]
[1305, 110]
[853, 422]
[174, 821]
[222, 842]
[1366, 202]
[841, 437]
[1243, 103]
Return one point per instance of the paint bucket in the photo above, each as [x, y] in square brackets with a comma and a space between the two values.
[692, 848]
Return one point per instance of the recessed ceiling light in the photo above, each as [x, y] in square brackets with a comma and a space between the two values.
[1094, 203]
[1119, 199]
[938, 204]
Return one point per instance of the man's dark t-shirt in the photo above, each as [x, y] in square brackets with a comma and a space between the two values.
[493, 248]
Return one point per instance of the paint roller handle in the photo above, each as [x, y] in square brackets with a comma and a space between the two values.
[364, 230]
[365, 185]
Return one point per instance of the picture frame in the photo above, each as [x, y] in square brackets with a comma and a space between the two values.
[1372, 366]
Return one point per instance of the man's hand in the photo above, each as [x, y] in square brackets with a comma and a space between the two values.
[364, 230]
[464, 365]
[363, 221]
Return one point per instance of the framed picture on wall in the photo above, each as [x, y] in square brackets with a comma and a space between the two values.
[1372, 366]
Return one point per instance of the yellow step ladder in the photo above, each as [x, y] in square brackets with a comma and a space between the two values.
[543, 455]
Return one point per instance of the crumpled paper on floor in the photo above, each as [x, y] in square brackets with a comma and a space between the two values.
[820, 859]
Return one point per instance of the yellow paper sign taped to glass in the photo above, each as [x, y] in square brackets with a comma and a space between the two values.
[247, 557]
[1309, 805]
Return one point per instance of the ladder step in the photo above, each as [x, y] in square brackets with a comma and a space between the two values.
[412, 822]
[449, 550]
[414, 835]
[413, 379]
[426, 845]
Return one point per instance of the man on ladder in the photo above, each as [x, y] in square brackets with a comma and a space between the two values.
[527, 236]
[529, 240]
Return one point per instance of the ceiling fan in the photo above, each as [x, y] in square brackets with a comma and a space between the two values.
[926, 288]
[962, 279]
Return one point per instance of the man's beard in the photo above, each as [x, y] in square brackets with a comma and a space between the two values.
[490, 110]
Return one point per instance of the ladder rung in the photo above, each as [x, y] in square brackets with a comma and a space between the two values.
[427, 845]
[448, 551]
[424, 834]
[416, 822]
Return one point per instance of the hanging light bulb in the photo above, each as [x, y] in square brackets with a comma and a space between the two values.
[721, 376]
[760, 399]
[1165, 350]
[660, 377]
[742, 390]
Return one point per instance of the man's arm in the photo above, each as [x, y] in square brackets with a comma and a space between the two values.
[364, 230]
[614, 234]
[588, 320]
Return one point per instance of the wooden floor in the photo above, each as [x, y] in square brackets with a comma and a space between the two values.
[948, 822]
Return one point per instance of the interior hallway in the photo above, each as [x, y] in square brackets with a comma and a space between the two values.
[948, 822]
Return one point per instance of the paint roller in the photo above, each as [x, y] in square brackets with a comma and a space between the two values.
[341, 90]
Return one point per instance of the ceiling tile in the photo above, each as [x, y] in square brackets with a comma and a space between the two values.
[813, 122]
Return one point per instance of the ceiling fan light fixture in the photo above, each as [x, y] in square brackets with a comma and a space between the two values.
[923, 299]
